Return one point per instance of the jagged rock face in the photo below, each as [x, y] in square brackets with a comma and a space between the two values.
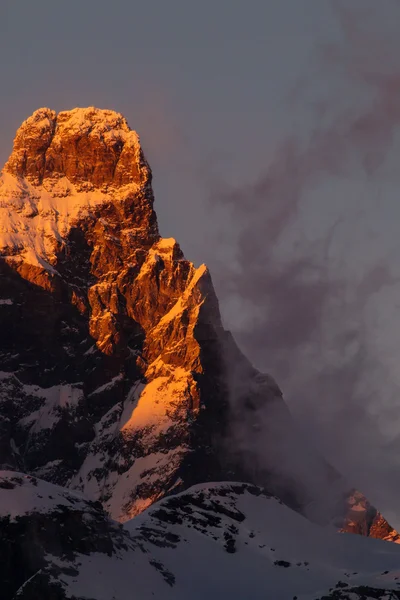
[116, 376]
[103, 383]
[87, 146]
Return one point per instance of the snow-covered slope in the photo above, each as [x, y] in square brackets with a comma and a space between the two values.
[235, 541]
[226, 540]
[45, 531]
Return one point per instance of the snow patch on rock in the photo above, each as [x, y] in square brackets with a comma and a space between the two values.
[34, 221]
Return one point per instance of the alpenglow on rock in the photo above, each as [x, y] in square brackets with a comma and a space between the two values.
[117, 378]
[88, 146]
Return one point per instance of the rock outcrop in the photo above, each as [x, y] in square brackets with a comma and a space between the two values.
[117, 378]
[91, 148]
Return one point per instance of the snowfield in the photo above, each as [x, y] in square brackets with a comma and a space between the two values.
[222, 540]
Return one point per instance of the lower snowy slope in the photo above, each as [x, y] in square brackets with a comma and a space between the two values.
[212, 542]
[234, 541]
[54, 544]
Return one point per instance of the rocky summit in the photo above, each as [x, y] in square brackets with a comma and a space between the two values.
[117, 378]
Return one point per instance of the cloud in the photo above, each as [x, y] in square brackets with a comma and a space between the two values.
[299, 306]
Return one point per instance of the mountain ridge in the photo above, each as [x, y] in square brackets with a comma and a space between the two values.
[118, 378]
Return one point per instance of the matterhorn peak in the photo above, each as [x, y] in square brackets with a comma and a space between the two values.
[84, 144]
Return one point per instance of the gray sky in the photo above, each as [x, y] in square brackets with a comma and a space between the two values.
[272, 130]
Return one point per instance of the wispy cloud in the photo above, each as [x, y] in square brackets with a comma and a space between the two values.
[300, 307]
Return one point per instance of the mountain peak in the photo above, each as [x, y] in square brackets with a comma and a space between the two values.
[86, 145]
[117, 376]
[64, 166]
